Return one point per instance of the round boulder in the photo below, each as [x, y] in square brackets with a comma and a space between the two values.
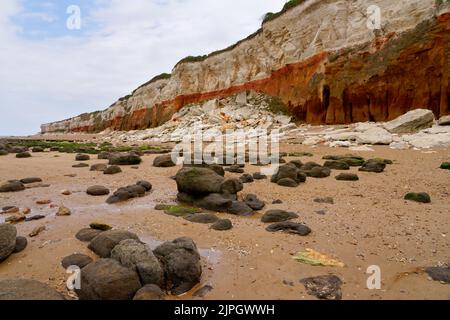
[107, 279]
[97, 191]
[105, 242]
[8, 234]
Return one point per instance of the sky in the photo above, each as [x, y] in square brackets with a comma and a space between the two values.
[49, 72]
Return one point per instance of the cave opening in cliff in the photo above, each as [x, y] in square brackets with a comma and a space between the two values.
[326, 93]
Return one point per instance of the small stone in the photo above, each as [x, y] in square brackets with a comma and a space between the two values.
[80, 165]
[100, 226]
[287, 182]
[259, 176]
[324, 287]
[445, 166]
[87, 234]
[327, 200]
[203, 291]
[111, 170]
[347, 177]
[82, 157]
[34, 218]
[36, 231]
[247, 178]
[441, 274]
[240, 208]
[63, 211]
[97, 191]
[13, 186]
[164, 161]
[278, 201]
[289, 227]
[79, 260]
[421, 197]
[30, 180]
[205, 218]
[66, 192]
[272, 216]
[15, 218]
[43, 202]
[222, 225]
[99, 167]
[253, 202]
[21, 244]
[22, 155]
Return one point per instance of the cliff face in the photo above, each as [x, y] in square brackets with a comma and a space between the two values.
[320, 58]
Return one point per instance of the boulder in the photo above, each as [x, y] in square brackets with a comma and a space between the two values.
[82, 157]
[105, 242]
[139, 257]
[318, 172]
[149, 292]
[287, 182]
[37, 149]
[13, 186]
[214, 202]
[164, 161]
[246, 178]
[125, 159]
[373, 165]
[421, 197]
[347, 177]
[30, 180]
[181, 263]
[272, 216]
[23, 155]
[289, 227]
[253, 202]
[8, 234]
[27, 290]
[337, 165]
[80, 165]
[205, 218]
[107, 279]
[222, 225]
[97, 191]
[198, 181]
[87, 234]
[99, 167]
[375, 136]
[145, 184]
[112, 170]
[103, 155]
[259, 176]
[100, 226]
[441, 274]
[79, 260]
[240, 208]
[289, 171]
[445, 166]
[324, 287]
[411, 122]
[231, 186]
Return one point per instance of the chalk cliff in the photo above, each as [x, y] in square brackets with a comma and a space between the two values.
[319, 57]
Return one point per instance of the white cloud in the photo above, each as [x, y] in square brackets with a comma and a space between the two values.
[57, 78]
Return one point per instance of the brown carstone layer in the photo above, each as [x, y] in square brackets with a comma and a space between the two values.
[377, 81]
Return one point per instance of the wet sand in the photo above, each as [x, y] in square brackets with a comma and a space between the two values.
[369, 224]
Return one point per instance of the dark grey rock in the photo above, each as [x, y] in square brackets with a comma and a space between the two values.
[272, 216]
[181, 262]
[87, 234]
[21, 244]
[222, 225]
[14, 186]
[112, 170]
[149, 292]
[8, 234]
[253, 202]
[79, 260]
[105, 242]
[289, 227]
[240, 208]
[164, 161]
[107, 279]
[97, 191]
